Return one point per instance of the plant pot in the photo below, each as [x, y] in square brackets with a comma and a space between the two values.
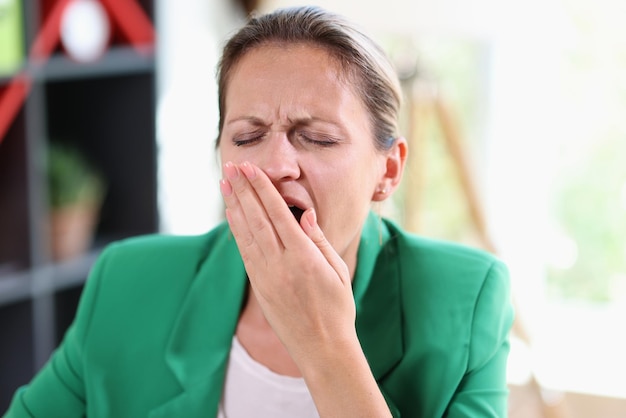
[71, 230]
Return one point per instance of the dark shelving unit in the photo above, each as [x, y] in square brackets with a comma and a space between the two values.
[106, 109]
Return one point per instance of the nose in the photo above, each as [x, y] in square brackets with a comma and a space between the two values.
[280, 159]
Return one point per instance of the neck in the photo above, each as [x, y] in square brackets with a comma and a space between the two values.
[261, 342]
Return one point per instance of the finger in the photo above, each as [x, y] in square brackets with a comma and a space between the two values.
[285, 225]
[251, 254]
[247, 244]
[315, 233]
[249, 216]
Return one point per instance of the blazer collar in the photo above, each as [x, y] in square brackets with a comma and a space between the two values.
[199, 345]
[376, 290]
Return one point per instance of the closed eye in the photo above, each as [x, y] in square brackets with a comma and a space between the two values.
[248, 139]
[316, 139]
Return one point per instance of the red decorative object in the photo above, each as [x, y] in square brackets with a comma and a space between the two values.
[127, 14]
[10, 101]
[132, 21]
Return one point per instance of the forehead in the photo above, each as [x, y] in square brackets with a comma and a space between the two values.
[304, 72]
[327, 59]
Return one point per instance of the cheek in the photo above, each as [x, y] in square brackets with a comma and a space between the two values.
[235, 154]
[223, 153]
[344, 199]
[345, 184]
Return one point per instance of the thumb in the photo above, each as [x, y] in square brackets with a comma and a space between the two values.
[312, 229]
[314, 232]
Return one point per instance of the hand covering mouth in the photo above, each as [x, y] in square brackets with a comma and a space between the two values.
[297, 212]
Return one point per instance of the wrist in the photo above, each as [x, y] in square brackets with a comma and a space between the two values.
[332, 355]
[341, 382]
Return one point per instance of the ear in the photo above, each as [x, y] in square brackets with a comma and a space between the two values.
[395, 160]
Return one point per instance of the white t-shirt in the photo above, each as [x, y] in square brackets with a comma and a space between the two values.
[253, 390]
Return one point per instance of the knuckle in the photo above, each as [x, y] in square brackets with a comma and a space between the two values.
[320, 240]
[248, 241]
[258, 224]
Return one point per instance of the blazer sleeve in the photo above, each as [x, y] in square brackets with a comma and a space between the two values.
[483, 391]
[58, 389]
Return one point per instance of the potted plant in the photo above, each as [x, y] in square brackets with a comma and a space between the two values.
[75, 190]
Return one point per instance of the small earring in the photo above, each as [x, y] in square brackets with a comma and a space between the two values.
[383, 190]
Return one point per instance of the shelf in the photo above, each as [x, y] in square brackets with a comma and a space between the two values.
[19, 286]
[118, 60]
[6, 79]
[14, 287]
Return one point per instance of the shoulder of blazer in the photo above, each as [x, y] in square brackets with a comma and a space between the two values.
[431, 266]
[159, 245]
[155, 256]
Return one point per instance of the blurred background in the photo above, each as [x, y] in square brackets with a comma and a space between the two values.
[515, 115]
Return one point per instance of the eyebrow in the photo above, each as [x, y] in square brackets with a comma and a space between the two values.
[251, 119]
[302, 121]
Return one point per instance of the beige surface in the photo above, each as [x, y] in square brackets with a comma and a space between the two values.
[523, 403]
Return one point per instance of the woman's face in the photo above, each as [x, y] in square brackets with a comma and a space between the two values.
[288, 112]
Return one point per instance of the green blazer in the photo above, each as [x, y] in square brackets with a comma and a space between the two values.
[155, 323]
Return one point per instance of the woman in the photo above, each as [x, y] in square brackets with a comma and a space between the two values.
[316, 307]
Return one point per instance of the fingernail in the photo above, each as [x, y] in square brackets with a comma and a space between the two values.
[231, 171]
[248, 170]
[311, 218]
[225, 188]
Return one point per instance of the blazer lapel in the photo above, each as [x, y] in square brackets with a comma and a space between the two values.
[376, 290]
[377, 296]
[199, 345]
